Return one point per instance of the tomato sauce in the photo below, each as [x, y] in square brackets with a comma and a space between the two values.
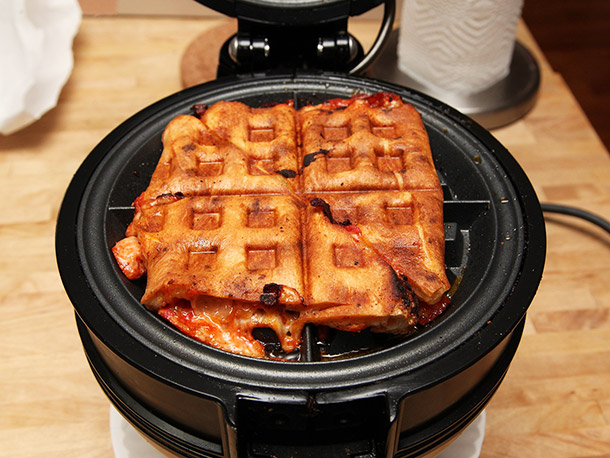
[429, 312]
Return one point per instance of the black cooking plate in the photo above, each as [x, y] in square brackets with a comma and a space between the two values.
[379, 395]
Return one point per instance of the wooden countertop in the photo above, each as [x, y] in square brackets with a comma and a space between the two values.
[555, 400]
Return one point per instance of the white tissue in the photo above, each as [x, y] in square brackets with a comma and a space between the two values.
[35, 57]
[457, 46]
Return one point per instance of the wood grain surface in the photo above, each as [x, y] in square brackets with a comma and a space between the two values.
[555, 401]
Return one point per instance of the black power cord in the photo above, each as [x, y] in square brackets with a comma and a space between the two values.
[577, 212]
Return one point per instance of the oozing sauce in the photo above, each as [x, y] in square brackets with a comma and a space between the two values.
[429, 312]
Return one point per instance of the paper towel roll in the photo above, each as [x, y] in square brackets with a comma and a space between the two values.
[457, 46]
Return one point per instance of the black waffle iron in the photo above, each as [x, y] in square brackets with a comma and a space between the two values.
[353, 395]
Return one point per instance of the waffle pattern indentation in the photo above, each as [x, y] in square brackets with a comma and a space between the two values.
[232, 200]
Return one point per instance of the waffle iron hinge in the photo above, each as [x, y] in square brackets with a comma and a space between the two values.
[258, 48]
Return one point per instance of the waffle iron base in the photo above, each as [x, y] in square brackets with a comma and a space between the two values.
[390, 397]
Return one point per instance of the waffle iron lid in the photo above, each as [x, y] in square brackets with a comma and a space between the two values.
[293, 12]
[494, 235]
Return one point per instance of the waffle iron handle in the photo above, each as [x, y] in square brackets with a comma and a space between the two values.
[362, 428]
[389, 13]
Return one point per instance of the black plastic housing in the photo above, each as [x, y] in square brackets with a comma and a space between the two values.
[195, 401]
[275, 36]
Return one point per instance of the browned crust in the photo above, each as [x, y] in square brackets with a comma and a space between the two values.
[318, 211]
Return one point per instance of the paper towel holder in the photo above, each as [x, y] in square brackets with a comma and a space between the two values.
[499, 105]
